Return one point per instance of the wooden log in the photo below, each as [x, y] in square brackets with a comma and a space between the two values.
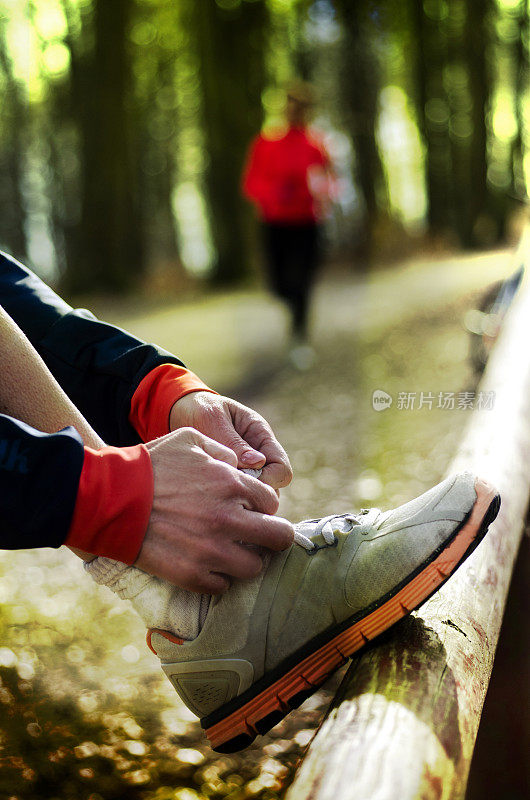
[404, 721]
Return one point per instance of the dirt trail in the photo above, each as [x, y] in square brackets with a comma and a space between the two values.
[232, 339]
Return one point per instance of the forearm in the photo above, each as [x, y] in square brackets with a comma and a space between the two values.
[28, 390]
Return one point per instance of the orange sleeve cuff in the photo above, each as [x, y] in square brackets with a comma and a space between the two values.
[155, 396]
[113, 504]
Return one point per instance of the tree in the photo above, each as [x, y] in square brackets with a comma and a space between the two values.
[433, 111]
[360, 81]
[230, 49]
[12, 127]
[156, 122]
[484, 206]
[106, 247]
[521, 81]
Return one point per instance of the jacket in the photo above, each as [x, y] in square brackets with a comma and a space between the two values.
[100, 367]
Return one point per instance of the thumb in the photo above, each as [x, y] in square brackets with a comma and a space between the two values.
[247, 456]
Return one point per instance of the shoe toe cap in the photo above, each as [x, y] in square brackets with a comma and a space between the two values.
[407, 539]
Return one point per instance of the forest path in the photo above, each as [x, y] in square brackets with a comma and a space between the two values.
[232, 338]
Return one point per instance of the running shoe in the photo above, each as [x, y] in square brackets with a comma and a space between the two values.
[267, 644]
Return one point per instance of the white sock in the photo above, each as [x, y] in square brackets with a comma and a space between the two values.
[159, 603]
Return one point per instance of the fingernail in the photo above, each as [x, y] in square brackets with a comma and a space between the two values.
[252, 457]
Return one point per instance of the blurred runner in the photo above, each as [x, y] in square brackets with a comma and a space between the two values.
[288, 177]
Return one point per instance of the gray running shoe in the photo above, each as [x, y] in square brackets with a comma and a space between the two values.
[267, 644]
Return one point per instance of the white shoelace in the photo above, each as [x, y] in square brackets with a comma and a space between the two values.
[331, 525]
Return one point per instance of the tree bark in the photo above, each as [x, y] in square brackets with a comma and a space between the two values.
[521, 67]
[14, 117]
[230, 48]
[476, 47]
[106, 248]
[433, 116]
[157, 165]
[360, 87]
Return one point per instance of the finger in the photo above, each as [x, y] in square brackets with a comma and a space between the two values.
[258, 433]
[277, 474]
[273, 533]
[216, 583]
[257, 496]
[213, 448]
[277, 471]
[238, 561]
[247, 456]
[199, 579]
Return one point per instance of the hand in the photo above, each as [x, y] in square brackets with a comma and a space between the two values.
[244, 431]
[205, 514]
[320, 185]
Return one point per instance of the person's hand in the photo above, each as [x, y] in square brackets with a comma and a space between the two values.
[244, 431]
[205, 515]
[320, 184]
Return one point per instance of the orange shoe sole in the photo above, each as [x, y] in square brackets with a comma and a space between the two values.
[235, 725]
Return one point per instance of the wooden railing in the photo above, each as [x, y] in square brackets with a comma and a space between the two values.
[404, 721]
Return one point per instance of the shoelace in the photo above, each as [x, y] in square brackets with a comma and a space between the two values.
[329, 533]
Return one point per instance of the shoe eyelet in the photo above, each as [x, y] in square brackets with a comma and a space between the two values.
[317, 547]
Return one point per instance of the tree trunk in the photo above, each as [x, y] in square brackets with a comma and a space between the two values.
[433, 115]
[484, 208]
[106, 250]
[157, 167]
[521, 67]
[360, 86]
[230, 47]
[14, 115]
[461, 126]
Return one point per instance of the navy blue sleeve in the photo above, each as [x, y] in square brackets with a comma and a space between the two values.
[99, 366]
[39, 478]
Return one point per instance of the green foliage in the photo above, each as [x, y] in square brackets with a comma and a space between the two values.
[125, 126]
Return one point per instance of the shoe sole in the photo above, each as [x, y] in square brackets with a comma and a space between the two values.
[236, 724]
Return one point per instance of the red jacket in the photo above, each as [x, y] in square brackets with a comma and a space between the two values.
[284, 174]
